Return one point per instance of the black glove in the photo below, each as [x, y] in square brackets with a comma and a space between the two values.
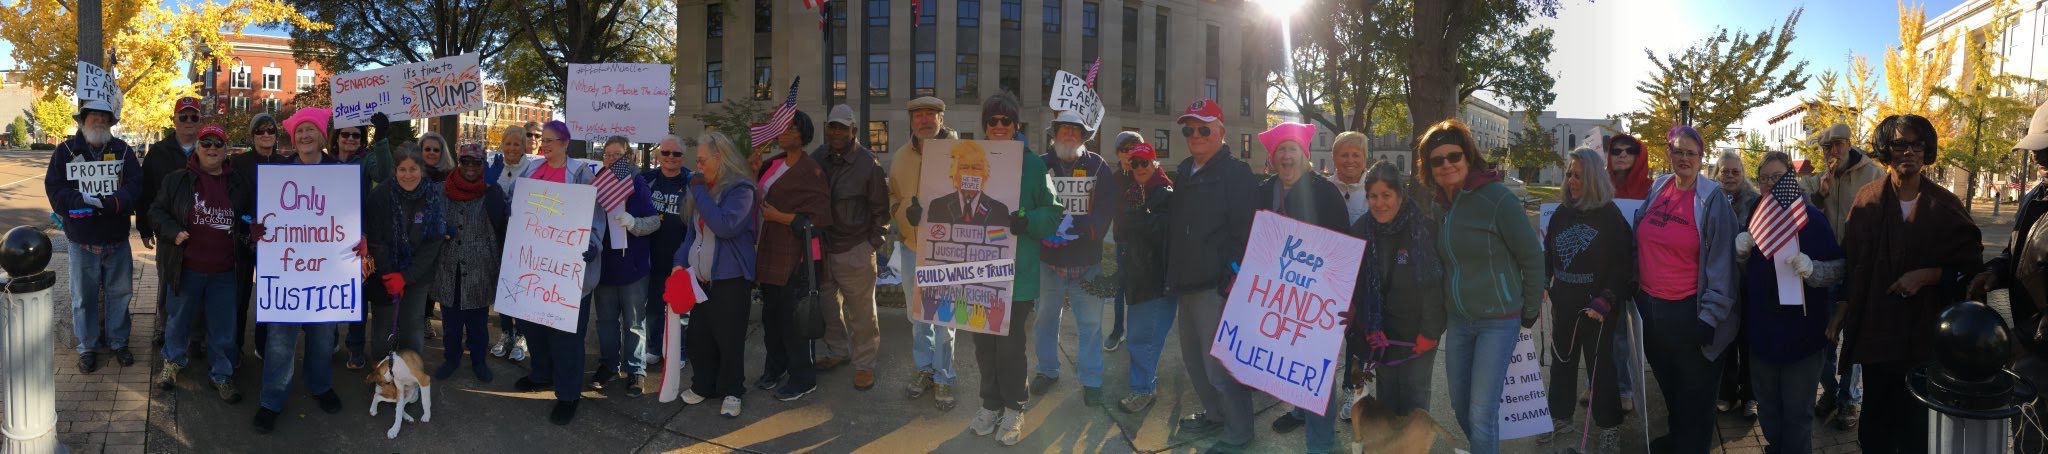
[381, 124]
[590, 255]
[1019, 224]
[1706, 333]
[1528, 322]
[914, 214]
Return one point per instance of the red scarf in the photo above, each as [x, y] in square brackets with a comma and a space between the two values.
[462, 189]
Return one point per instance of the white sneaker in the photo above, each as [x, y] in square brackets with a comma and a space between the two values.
[1012, 425]
[984, 422]
[731, 409]
[690, 397]
[518, 349]
[1344, 414]
[498, 348]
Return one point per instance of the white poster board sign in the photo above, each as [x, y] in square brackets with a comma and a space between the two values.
[307, 270]
[95, 178]
[966, 266]
[618, 99]
[1524, 402]
[96, 84]
[540, 277]
[432, 88]
[1280, 333]
[1071, 92]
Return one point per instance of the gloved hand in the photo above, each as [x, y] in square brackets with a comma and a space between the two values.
[257, 232]
[1019, 224]
[1424, 344]
[1803, 265]
[394, 284]
[1706, 333]
[1344, 319]
[914, 214]
[1528, 322]
[1377, 339]
[382, 123]
[94, 201]
[590, 255]
[1744, 244]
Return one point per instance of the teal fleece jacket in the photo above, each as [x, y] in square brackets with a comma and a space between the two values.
[1493, 259]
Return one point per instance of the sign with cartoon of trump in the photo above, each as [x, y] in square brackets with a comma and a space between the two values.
[965, 269]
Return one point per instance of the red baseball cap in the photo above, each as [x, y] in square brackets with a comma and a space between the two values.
[1204, 110]
[1143, 151]
[213, 130]
[187, 103]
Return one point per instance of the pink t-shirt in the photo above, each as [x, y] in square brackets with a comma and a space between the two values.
[549, 173]
[1669, 239]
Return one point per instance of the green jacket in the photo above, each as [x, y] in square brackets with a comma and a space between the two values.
[1042, 210]
[1493, 259]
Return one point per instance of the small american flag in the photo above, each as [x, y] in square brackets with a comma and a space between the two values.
[1092, 69]
[824, 14]
[1779, 218]
[614, 183]
[916, 13]
[779, 121]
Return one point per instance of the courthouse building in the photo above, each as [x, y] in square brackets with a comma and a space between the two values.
[1157, 57]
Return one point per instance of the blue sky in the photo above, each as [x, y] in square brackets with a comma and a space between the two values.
[1599, 56]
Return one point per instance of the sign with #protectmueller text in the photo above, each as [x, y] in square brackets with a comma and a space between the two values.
[1280, 332]
[540, 278]
[307, 270]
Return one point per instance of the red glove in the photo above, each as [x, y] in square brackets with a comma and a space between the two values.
[681, 298]
[362, 249]
[257, 232]
[1424, 344]
[1377, 339]
[394, 284]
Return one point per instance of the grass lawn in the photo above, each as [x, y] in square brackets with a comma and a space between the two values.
[1546, 193]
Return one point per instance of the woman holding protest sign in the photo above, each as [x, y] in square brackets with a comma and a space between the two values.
[198, 217]
[1685, 235]
[558, 355]
[718, 249]
[1298, 193]
[1494, 272]
[1004, 389]
[1141, 234]
[466, 283]
[266, 146]
[1786, 337]
[1400, 296]
[793, 182]
[404, 222]
[1590, 254]
[308, 128]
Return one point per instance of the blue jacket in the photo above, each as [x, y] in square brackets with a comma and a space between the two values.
[1778, 333]
[625, 267]
[732, 218]
[87, 224]
[574, 171]
[1099, 208]
[1717, 288]
[667, 195]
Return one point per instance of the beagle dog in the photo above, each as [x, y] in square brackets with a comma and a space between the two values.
[402, 379]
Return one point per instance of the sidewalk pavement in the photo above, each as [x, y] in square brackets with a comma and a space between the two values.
[98, 412]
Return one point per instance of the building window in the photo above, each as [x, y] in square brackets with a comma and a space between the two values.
[1013, 14]
[1209, 88]
[1052, 16]
[1213, 53]
[270, 104]
[878, 75]
[1159, 62]
[1047, 72]
[878, 13]
[239, 102]
[1091, 19]
[970, 14]
[878, 136]
[272, 80]
[967, 77]
[1244, 97]
[305, 80]
[762, 78]
[927, 14]
[1130, 60]
[764, 17]
[714, 82]
[925, 82]
[839, 77]
[1008, 77]
[1244, 147]
[1130, 88]
[1161, 144]
[241, 75]
[714, 20]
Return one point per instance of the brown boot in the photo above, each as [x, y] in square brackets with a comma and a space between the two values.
[863, 379]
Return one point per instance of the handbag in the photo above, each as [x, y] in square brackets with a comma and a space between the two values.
[810, 315]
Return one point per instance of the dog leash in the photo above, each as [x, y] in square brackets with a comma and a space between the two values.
[1375, 356]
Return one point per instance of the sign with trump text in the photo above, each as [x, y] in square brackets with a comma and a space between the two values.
[1281, 332]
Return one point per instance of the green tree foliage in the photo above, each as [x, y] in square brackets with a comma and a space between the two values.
[562, 32]
[1530, 149]
[1460, 47]
[733, 119]
[1350, 78]
[1729, 74]
[1841, 98]
[1979, 118]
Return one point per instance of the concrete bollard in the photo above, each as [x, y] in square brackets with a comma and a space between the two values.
[1968, 393]
[25, 344]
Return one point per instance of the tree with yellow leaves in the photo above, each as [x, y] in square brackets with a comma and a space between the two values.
[149, 45]
[1915, 66]
[1841, 97]
[1982, 109]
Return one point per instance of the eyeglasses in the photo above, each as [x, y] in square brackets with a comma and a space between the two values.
[1141, 164]
[1571, 175]
[349, 135]
[1684, 154]
[211, 143]
[672, 154]
[188, 118]
[1906, 145]
[430, 149]
[1189, 131]
[1630, 150]
[1452, 158]
[265, 132]
[470, 161]
[999, 121]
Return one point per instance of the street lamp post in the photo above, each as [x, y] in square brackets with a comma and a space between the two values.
[1685, 106]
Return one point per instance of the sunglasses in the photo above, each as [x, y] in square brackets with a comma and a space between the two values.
[350, 135]
[1452, 158]
[672, 154]
[1905, 145]
[265, 132]
[1630, 150]
[1189, 131]
[188, 118]
[211, 143]
[469, 161]
[430, 150]
[1141, 164]
[999, 121]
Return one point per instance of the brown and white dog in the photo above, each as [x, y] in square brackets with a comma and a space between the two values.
[402, 379]
[1376, 429]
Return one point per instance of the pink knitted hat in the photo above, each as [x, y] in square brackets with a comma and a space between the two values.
[1300, 133]
[319, 116]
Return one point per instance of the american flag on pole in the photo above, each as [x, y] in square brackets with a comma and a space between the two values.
[819, 5]
[1779, 218]
[1092, 69]
[614, 183]
[916, 12]
[778, 122]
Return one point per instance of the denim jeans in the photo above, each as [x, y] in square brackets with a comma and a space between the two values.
[214, 295]
[1784, 401]
[931, 347]
[1119, 324]
[278, 355]
[1052, 291]
[108, 275]
[1222, 396]
[1624, 362]
[1319, 433]
[1478, 369]
[1831, 384]
[622, 327]
[1150, 321]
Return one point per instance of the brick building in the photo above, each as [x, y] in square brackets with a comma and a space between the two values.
[261, 76]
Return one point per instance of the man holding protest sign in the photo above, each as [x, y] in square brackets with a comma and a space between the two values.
[1073, 255]
[309, 137]
[1210, 218]
[92, 185]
